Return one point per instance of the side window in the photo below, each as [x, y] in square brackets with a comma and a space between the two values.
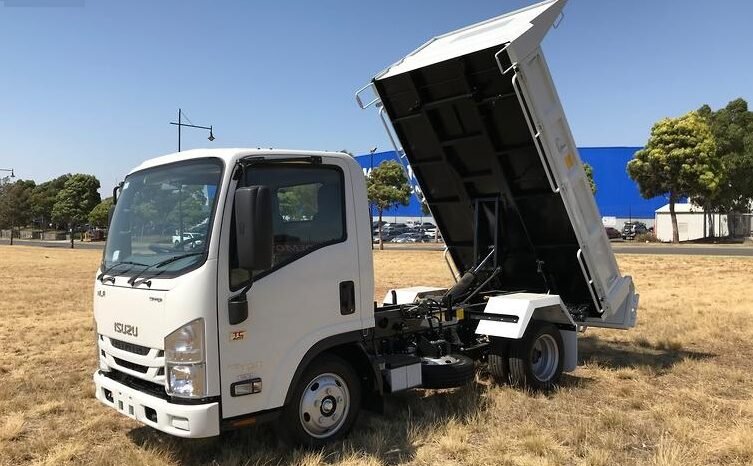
[308, 212]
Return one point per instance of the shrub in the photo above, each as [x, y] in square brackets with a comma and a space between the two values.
[646, 238]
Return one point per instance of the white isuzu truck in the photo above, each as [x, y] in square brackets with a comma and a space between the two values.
[267, 312]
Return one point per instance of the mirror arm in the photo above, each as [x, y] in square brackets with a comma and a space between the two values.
[115, 190]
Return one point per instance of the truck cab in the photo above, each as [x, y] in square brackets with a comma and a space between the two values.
[173, 352]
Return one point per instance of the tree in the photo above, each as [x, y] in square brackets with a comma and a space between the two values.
[732, 127]
[387, 186]
[77, 198]
[590, 175]
[187, 206]
[15, 205]
[425, 209]
[100, 213]
[298, 202]
[43, 199]
[678, 161]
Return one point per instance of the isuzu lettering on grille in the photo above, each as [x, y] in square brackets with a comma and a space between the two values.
[126, 329]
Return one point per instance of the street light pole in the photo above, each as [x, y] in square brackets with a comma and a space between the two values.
[5, 178]
[180, 124]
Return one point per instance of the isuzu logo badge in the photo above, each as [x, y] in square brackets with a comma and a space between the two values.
[126, 329]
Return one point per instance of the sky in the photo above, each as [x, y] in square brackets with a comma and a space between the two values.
[92, 86]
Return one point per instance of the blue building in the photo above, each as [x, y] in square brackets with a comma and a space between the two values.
[617, 195]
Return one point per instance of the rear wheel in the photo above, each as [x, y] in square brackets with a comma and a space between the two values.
[324, 405]
[536, 360]
[497, 361]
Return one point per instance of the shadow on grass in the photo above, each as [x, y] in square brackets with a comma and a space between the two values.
[389, 438]
[591, 349]
[409, 417]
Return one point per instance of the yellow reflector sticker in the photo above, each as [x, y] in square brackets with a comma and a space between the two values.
[460, 313]
[569, 160]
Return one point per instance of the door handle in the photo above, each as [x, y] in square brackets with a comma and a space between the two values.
[347, 297]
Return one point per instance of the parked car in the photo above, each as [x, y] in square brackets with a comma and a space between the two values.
[631, 229]
[613, 233]
[189, 238]
[386, 237]
[393, 229]
[426, 227]
[409, 238]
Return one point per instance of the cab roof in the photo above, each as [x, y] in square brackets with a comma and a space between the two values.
[230, 155]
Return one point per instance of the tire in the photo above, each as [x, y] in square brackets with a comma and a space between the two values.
[453, 370]
[535, 361]
[497, 362]
[324, 405]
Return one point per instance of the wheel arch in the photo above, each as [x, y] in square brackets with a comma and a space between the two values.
[349, 347]
[518, 311]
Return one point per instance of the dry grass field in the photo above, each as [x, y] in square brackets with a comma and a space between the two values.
[678, 389]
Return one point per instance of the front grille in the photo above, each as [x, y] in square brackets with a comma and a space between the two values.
[139, 361]
[130, 347]
[131, 365]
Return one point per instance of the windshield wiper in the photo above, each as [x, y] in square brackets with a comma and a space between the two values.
[101, 277]
[132, 280]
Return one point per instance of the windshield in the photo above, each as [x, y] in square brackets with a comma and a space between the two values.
[163, 217]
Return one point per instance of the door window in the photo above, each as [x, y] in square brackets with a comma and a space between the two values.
[308, 212]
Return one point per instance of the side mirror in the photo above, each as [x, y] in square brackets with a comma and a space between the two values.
[253, 227]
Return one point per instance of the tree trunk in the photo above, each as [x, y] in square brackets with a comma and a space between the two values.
[381, 243]
[673, 216]
[712, 228]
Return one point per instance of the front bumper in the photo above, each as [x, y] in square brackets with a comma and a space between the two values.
[192, 421]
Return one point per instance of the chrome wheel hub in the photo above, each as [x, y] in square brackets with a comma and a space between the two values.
[324, 405]
[545, 358]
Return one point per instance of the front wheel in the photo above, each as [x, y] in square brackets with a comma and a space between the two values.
[536, 360]
[324, 405]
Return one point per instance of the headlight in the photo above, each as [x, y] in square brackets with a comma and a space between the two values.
[186, 381]
[186, 345]
[185, 367]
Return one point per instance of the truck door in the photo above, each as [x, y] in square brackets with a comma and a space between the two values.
[311, 292]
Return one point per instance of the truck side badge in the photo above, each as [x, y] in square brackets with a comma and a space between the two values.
[237, 335]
